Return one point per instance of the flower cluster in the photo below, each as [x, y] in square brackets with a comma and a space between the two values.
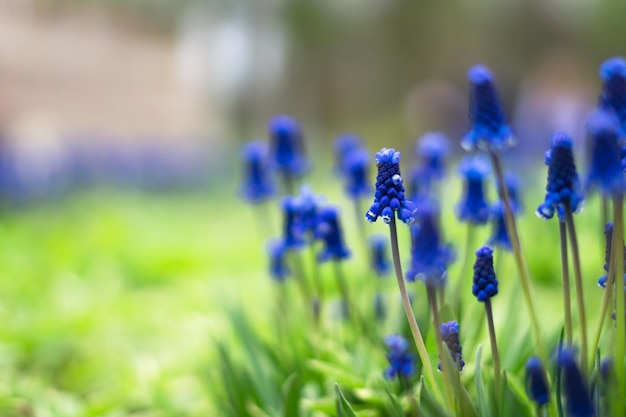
[613, 97]
[536, 383]
[485, 282]
[401, 362]
[450, 336]
[287, 146]
[389, 196]
[432, 150]
[329, 230]
[473, 207]
[258, 184]
[605, 167]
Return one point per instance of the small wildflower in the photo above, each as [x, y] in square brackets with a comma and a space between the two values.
[563, 188]
[379, 257]
[389, 196]
[343, 145]
[401, 362]
[450, 336]
[489, 130]
[278, 265]
[536, 384]
[429, 259]
[287, 146]
[577, 398]
[485, 282]
[258, 184]
[613, 97]
[329, 230]
[605, 167]
[293, 232]
[308, 206]
[473, 207]
[356, 172]
[500, 236]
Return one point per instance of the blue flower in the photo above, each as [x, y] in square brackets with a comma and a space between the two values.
[536, 383]
[389, 194]
[489, 130]
[308, 205]
[473, 207]
[356, 172]
[450, 336]
[293, 232]
[578, 401]
[429, 259]
[613, 97]
[329, 230]
[287, 146]
[432, 150]
[278, 265]
[401, 362]
[563, 187]
[379, 257]
[342, 146]
[605, 168]
[258, 184]
[485, 282]
[500, 236]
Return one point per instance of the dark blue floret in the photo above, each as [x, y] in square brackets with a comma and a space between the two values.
[536, 383]
[578, 401]
[489, 129]
[389, 195]
[356, 171]
[379, 257]
[429, 258]
[473, 207]
[278, 265]
[329, 230]
[450, 336]
[605, 167]
[485, 282]
[293, 231]
[342, 146]
[499, 236]
[401, 362]
[287, 146]
[258, 184]
[563, 187]
[613, 97]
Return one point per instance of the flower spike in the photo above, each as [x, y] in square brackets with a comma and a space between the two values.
[450, 336]
[485, 282]
[473, 207]
[536, 384]
[578, 401]
[329, 229]
[613, 97]
[401, 362]
[287, 146]
[258, 185]
[605, 171]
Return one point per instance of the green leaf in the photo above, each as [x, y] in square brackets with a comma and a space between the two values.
[291, 392]
[483, 404]
[393, 408]
[428, 406]
[343, 407]
[513, 403]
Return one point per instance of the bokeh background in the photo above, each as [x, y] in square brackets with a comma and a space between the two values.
[121, 233]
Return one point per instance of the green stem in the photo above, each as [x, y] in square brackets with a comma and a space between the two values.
[459, 284]
[301, 279]
[618, 252]
[566, 288]
[415, 330]
[578, 281]
[431, 291]
[517, 253]
[494, 351]
[317, 282]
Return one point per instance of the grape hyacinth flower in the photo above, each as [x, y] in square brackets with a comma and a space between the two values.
[473, 207]
[278, 265]
[489, 130]
[308, 205]
[450, 335]
[500, 236]
[563, 188]
[356, 172]
[389, 196]
[613, 97]
[432, 150]
[293, 231]
[578, 401]
[379, 258]
[605, 167]
[329, 230]
[287, 146]
[485, 282]
[343, 145]
[258, 184]
[536, 383]
[513, 186]
[401, 362]
[429, 259]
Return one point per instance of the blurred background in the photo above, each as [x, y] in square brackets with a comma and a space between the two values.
[154, 92]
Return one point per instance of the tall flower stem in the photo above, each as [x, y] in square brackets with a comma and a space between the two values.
[517, 252]
[303, 285]
[606, 300]
[494, 350]
[578, 281]
[566, 288]
[345, 294]
[415, 330]
[618, 252]
[463, 272]
[317, 283]
[447, 373]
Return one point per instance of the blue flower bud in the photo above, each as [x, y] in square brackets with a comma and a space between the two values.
[401, 362]
[613, 97]
[473, 207]
[578, 401]
[485, 282]
[329, 230]
[287, 146]
[605, 167]
[536, 383]
[258, 184]
[450, 336]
